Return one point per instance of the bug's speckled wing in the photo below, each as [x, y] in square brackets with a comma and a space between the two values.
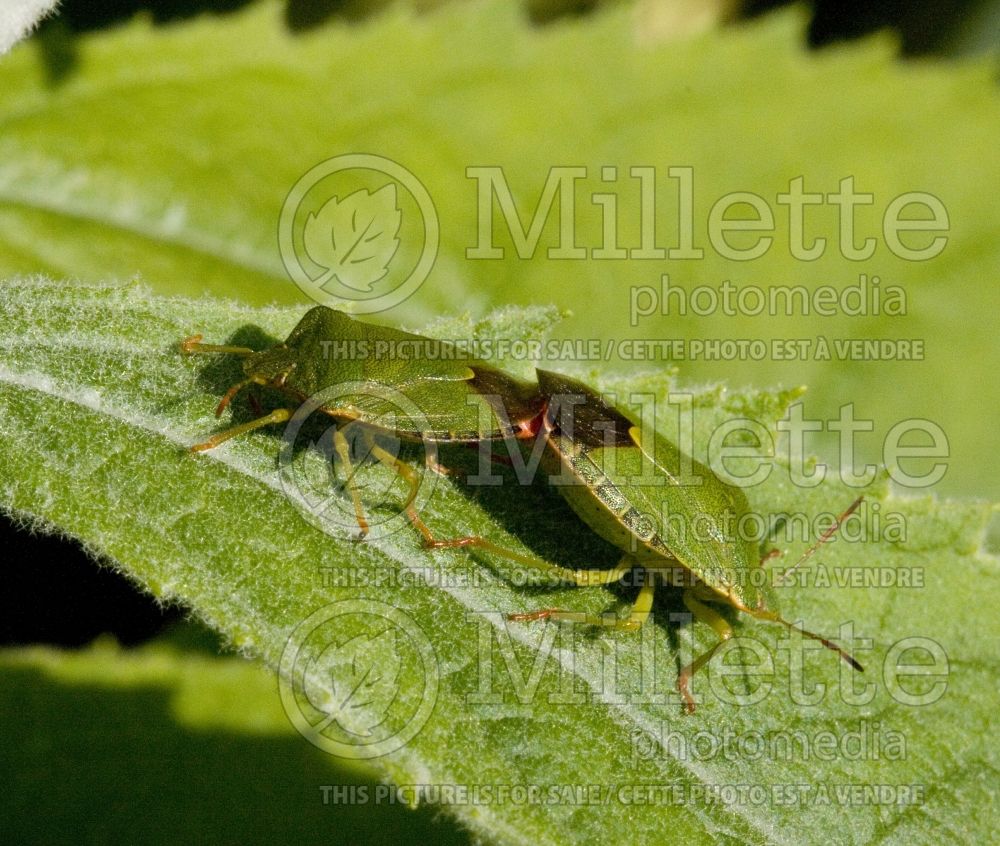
[632, 493]
[447, 397]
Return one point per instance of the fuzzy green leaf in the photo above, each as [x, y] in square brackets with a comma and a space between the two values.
[97, 407]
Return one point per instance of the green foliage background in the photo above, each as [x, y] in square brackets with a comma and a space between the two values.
[165, 155]
[168, 152]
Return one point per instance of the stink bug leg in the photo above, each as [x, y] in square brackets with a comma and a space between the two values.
[343, 449]
[580, 578]
[402, 469]
[640, 612]
[704, 614]
[192, 345]
[342, 446]
[279, 415]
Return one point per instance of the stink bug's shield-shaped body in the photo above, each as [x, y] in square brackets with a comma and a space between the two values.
[460, 401]
[626, 485]
[627, 488]
[374, 379]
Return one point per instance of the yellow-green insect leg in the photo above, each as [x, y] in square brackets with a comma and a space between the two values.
[279, 415]
[703, 614]
[640, 609]
[192, 344]
[401, 468]
[343, 449]
[638, 615]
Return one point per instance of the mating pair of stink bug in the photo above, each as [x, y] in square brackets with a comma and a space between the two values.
[598, 446]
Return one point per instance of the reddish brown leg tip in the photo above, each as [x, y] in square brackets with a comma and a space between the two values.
[188, 344]
[682, 689]
[531, 616]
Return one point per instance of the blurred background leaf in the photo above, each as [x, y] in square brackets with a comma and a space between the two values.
[170, 742]
[159, 140]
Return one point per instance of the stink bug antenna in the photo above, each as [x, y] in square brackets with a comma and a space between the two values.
[193, 344]
[829, 644]
[829, 533]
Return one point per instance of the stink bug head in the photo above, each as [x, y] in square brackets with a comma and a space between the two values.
[306, 360]
[271, 366]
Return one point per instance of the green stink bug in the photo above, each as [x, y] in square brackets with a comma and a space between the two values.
[604, 454]
[459, 401]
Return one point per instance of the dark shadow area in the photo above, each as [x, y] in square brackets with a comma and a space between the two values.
[219, 371]
[922, 26]
[87, 764]
[304, 15]
[547, 11]
[54, 593]
[82, 15]
[539, 517]
[535, 513]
